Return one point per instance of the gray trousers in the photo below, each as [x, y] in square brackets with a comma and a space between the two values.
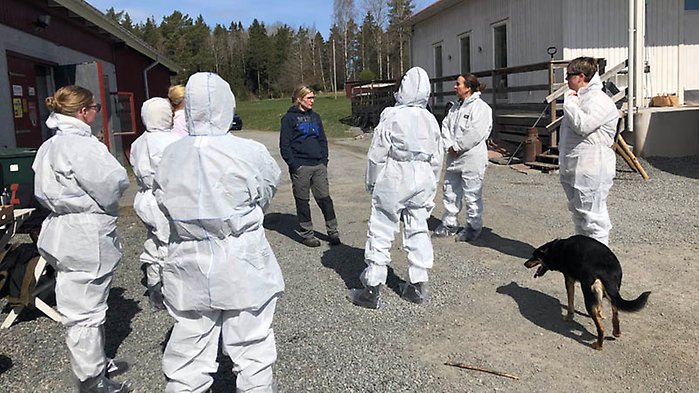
[307, 179]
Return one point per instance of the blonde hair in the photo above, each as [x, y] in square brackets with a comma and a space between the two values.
[299, 93]
[68, 100]
[176, 95]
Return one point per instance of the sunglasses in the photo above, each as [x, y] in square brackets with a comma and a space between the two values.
[96, 107]
[568, 76]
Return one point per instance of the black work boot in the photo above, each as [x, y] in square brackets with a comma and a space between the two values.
[367, 297]
[102, 384]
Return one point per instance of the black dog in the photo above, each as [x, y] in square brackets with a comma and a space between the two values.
[596, 268]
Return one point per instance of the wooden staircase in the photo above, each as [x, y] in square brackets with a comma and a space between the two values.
[546, 161]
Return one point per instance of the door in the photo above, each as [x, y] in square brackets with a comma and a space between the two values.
[500, 58]
[438, 72]
[25, 101]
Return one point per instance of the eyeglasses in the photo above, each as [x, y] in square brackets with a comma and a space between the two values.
[96, 107]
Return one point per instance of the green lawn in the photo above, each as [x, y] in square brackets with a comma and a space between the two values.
[266, 115]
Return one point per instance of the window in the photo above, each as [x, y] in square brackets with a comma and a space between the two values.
[691, 5]
[438, 71]
[465, 49]
[500, 57]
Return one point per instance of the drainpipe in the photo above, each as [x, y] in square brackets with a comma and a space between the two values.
[145, 75]
[631, 67]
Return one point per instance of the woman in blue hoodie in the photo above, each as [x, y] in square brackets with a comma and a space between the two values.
[304, 148]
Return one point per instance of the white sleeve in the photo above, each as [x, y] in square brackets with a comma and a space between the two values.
[377, 155]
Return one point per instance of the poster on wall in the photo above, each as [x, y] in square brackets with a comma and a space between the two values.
[31, 91]
[17, 90]
[17, 106]
[33, 114]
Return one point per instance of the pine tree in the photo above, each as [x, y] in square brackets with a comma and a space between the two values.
[258, 58]
[398, 12]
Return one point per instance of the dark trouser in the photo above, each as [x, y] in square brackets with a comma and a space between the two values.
[313, 178]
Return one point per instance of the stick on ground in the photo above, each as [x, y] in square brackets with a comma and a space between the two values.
[476, 368]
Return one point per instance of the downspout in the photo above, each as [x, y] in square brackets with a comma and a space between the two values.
[145, 75]
[631, 67]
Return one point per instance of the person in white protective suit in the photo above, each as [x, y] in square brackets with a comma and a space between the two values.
[80, 182]
[586, 159]
[146, 152]
[404, 163]
[465, 131]
[221, 278]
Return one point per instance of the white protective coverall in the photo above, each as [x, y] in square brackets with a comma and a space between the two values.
[466, 129]
[146, 152]
[221, 277]
[80, 182]
[586, 159]
[404, 162]
[179, 123]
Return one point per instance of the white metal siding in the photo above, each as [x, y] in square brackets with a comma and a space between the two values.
[530, 30]
[596, 28]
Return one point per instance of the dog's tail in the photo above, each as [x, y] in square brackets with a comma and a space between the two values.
[627, 305]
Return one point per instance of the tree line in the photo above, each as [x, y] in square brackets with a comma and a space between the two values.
[367, 41]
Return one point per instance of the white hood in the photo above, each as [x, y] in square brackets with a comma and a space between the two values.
[156, 114]
[209, 104]
[414, 88]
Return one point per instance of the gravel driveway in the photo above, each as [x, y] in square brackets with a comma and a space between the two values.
[486, 309]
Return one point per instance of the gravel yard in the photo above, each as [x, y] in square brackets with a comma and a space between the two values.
[486, 309]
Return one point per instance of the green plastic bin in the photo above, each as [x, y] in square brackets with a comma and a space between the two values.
[16, 172]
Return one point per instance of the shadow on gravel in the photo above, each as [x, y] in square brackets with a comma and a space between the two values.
[545, 311]
[348, 263]
[680, 166]
[5, 363]
[224, 379]
[512, 247]
[284, 224]
[118, 323]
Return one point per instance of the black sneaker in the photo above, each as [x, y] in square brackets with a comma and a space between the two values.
[102, 384]
[310, 242]
[366, 297]
[116, 367]
[415, 293]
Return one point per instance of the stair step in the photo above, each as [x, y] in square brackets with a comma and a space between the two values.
[542, 166]
[547, 157]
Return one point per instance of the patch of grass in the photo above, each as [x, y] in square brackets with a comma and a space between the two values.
[266, 115]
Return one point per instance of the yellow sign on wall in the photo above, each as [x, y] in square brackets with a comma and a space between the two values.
[17, 106]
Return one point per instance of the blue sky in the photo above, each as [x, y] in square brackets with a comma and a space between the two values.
[309, 13]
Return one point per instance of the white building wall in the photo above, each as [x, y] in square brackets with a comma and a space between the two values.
[671, 41]
[532, 26]
[689, 57]
[596, 28]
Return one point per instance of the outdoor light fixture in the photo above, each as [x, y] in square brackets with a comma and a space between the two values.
[551, 50]
[42, 21]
